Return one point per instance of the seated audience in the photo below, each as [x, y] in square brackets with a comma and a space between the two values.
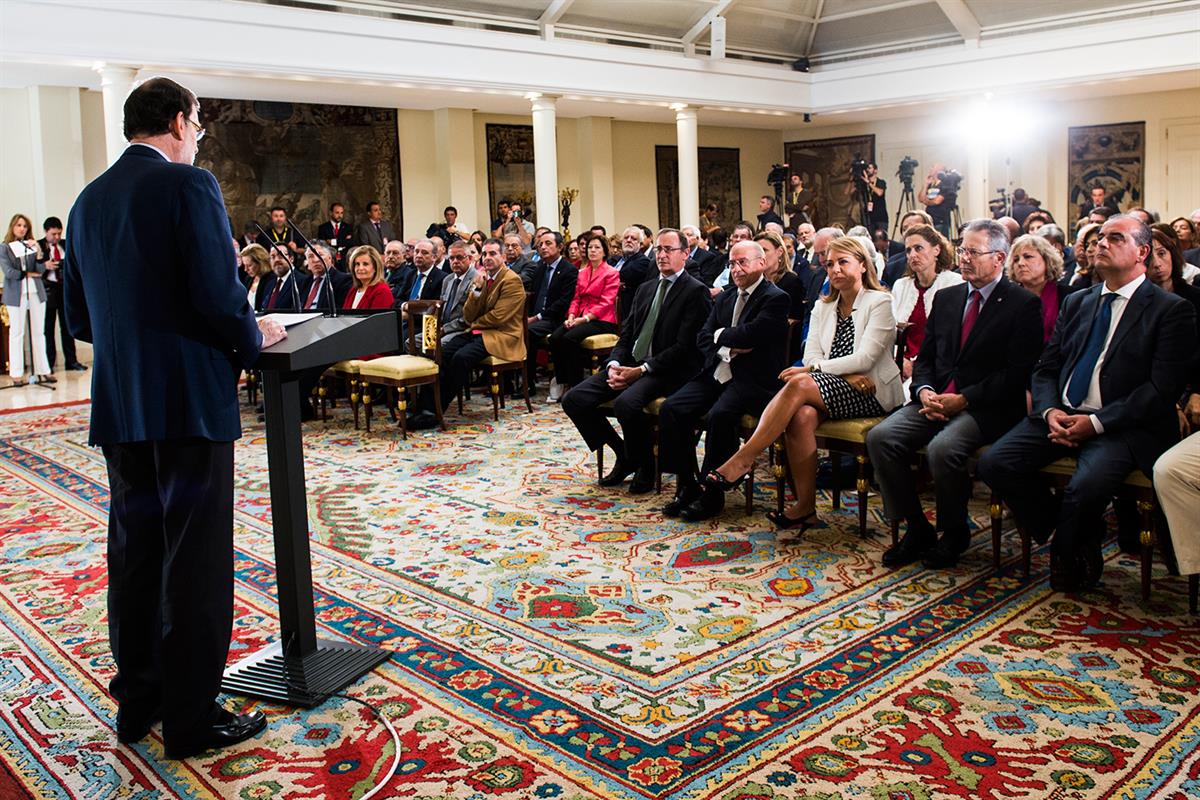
[592, 312]
[656, 354]
[1189, 242]
[1012, 227]
[848, 372]
[778, 271]
[1057, 237]
[1166, 271]
[492, 311]
[766, 213]
[574, 253]
[897, 264]
[702, 264]
[397, 271]
[516, 259]
[1104, 392]
[367, 289]
[743, 346]
[1085, 251]
[631, 265]
[257, 265]
[1177, 484]
[327, 286]
[1142, 215]
[930, 269]
[968, 387]
[424, 280]
[1099, 214]
[1036, 220]
[816, 284]
[1037, 267]
[286, 288]
[742, 232]
[805, 233]
[455, 289]
[553, 285]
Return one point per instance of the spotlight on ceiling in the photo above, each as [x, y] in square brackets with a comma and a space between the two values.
[800, 64]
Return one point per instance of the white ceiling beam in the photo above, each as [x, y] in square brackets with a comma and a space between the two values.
[550, 17]
[777, 14]
[962, 19]
[812, 32]
[689, 38]
[864, 12]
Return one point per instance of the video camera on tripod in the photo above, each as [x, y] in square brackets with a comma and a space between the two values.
[777, 177]
[908, 167]
[950, 181]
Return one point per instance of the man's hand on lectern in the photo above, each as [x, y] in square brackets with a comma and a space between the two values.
[272, 331]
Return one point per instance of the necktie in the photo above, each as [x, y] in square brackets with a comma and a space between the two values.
[724, 372]
[415, 293]
[379, 231]
[1081, 376]
[312, 293]
[335, 231]
[825, 286]
[641, 345]
[968, 324]
[274, 294]
[619, 264]
[57, 254]
[544, 291]
[446, 309]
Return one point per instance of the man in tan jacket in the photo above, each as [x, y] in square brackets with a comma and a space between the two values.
[493, 310]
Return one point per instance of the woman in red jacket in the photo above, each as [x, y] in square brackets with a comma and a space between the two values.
[593, 311]
[369, 289]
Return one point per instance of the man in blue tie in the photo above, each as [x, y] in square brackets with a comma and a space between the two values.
[1104, 392]
[553, 285]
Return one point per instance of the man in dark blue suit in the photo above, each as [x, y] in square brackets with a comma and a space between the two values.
[287, 288]
[327, 285]
[1104, 392]
[150, 281]
[744, 342]
[553, 288]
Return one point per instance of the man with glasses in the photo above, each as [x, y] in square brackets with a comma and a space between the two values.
[743, 342]
[656, 354]
[170, 327]
[1104, 392]
[632, 265]
[968, 387]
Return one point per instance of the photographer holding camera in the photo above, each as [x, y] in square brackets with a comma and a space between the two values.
[940, 196]
[877, 215]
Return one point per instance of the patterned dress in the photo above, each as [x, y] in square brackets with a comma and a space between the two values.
[842, 399]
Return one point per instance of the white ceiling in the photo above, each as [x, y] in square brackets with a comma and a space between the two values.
[779, 31]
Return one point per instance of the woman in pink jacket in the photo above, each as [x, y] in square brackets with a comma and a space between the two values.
[593, 311]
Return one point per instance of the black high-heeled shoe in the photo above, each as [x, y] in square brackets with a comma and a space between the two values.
[783, 522]
[716, 481]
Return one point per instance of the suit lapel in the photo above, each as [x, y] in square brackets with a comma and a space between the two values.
[990, 310]
[1132, 314]
[956, 315]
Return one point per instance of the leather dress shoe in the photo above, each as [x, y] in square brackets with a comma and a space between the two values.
[620, 471]
[683, 498]
[945, 553]
[643, 481]
[75, 366]
[228, 730]
[709, 504]
[912, 545]
[133, 728]
[422, 421]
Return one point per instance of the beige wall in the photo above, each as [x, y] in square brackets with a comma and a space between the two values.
[1038, 164]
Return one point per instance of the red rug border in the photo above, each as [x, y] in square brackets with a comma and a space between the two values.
[47, 405]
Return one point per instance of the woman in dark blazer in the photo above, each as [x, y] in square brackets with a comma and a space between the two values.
[1036, 265]
[779, 272]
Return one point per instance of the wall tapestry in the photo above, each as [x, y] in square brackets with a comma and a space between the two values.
[1110, 155]
[302, 156]
[720, 183]
[824, 165]
[510, 166]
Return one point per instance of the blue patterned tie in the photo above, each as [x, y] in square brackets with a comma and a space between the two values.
[1081, 376]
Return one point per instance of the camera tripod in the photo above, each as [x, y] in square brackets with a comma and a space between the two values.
[907, 203]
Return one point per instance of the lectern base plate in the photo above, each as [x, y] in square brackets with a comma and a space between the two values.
[305, 681]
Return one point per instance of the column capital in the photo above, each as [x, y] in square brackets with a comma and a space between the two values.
[683, 111]
[542, 102]
[115, 74]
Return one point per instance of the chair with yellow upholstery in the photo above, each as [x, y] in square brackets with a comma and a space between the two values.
[652, 409]
[347, 372]
[495, 367]
[601, 344]
[419, 366]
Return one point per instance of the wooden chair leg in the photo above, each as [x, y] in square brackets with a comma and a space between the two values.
[437, 404]
[323, 396]
[402, 411]
[780, 485]
[997, 514]
[365, 396]
[525, 386]
[657, 463]
[1146, 509]
[863, 489]
[495, 396]
[393, 395]
[354, 398]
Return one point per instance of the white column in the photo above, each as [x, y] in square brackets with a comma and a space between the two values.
[116, 82]
[689, 165]
[545, 160]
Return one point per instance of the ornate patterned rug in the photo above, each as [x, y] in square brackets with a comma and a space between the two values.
[556, 640]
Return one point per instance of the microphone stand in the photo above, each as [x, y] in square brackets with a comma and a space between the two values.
[288, 256]
[28, 325]
[328, 267]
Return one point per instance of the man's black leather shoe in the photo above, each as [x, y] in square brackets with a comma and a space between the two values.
[75, 366]
[229, 729]
[707, 505]
[643, 481]
[912, 545]
[422, 421]
[620, 471]
[945, 553]
[683, 498]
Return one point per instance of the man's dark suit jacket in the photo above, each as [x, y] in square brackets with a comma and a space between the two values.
[633, 271]
[1192, 256]
[673, 351]
[704, 266]
[338, 281]
[893, 270]
[166, 371]
[430, 290]
[365, 233]
[992, 369]
[344, 238]
[524, 269]
[287, 300]
[1143, 372]
[762, 329]
[561, 291]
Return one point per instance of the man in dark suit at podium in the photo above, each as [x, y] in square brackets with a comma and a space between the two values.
[149, 262]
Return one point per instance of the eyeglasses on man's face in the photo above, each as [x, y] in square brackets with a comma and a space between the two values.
[199, 130]
[971, 252]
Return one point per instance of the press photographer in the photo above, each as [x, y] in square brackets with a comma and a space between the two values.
[940, 196]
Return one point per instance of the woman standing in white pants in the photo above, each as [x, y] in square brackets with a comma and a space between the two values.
[23, 289]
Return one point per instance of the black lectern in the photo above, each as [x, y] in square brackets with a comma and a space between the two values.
[301, 669]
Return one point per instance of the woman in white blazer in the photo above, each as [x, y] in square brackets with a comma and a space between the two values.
[23, 290]
[849, 371]
[930, 263]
